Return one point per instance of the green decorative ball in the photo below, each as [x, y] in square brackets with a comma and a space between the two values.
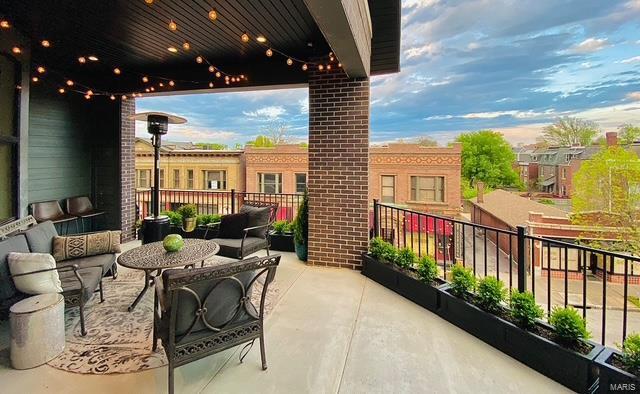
[173, 243]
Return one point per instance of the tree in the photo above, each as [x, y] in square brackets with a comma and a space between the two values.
[607, 193]
[262, 141]
[426, 141]
[277, 132]
[210, 146]
[568, 131]
[629, 134]
[487, 157]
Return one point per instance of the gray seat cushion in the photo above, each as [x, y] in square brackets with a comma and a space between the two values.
[102, 260]
[90, 278]
[40, 237]
[231, 247]
[258, 216]
[17, 243]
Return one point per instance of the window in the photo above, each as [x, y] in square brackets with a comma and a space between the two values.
[564, 191]
[215, 180]
[143, 178]
[161, 179]
[189, 179]
[541, 171]
[270, 183]
[427, 188]
[176, 179]
[564, 173]
[10, 75]
[301, 183]
[388, 188]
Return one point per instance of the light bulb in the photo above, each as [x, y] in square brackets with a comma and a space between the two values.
[330, 53]
[45, 43]
[171, 83]
[112, 97]
[5, 24]
[41, 69]
[161, 84]
[210, 84]
[244, 37]
[87, 96]
[90, 92]
[82, 60]
[93, 58]
[199, 59]
[61, 90]
[16, 50]
[147, 90]
[289, 61]
[304, 67]
[145, 79]
[320, 67]
[124, 97]
[116, 71]
[213, 14]
[233, 79]
[261, 39]
[69, 82]
[218, 74]
[328, 66]
[172, 49]
[226, 77]
[241, 76]
[212, 69]
[172, 25]
[227, 82]
[331, 58]
[339, 64]
[148, 1]
[269, 52]
[35, 79]
[186, 46]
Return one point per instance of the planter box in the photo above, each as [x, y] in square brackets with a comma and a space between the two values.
[614, 379]
[197, 233]
[393, 279]
[282, 242]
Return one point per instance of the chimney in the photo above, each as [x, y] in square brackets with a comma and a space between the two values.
[612, 138]
[480, 197]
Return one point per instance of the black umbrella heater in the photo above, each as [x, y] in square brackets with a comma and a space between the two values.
[156, 227]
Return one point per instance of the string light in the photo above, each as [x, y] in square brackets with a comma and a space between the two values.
[45, 43]
[148, 1]
[70, 82]
[269, 52]
[61, 90]
[89, 92]
[210, 84]
[41, 69]
[199, 59]
[171, 83]
[35, 79]
[124, 97]
[218, 74]
[161, 84]
[213, 14]
[340, 65]
[93, 58]
[172, 49]
[152, 89]
[172, 25]
[147, 90]
[145, 79]
[116, 71]
[186, 46]
[244, 37]
[320, 67]
[304, 67]
[16, 50]
[5, 24]
[289, 61]
[87, 96]
[112, 97]
[212, 69]
[328, 66]
[82, 60]
[261, 39]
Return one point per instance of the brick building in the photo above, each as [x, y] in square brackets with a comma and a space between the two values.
[279, 169]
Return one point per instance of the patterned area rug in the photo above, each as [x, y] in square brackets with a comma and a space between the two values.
[118, 341]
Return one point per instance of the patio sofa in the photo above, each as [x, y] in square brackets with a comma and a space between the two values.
[80, 278]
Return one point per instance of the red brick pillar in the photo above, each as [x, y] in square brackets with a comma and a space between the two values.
[127, 170]
[338, 169]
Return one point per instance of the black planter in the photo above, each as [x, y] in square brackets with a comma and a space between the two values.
[613, 379]
[282, 242]
[197, 233]
[392, 278]
[481, 324]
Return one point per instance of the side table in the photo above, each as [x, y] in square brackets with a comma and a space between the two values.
[37, 330]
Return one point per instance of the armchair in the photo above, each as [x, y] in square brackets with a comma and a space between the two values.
[202, 311]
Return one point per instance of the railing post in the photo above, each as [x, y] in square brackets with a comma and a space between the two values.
[376, 218]
[522, 263]
[233, 200]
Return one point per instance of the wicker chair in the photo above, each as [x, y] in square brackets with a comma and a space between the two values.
[202, 311]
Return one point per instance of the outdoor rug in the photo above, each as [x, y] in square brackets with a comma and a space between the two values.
[119, 341]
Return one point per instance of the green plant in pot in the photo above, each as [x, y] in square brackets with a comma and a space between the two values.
[189, 212]
[279, 226]
[301, 228]
[174, 217]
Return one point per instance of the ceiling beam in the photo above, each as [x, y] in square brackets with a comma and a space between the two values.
[346, 25]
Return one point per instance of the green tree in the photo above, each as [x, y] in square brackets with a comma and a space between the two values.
[426, 141]
[607, 193]
[487, 157]
[569, 131]
[210, 146]
[262, 141]
[629, 134]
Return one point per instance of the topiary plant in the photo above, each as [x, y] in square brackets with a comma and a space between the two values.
[491, 293]
[301, 229]
[462, 281]
[406, 258]
[382, 250]
[569, 326]
[427, 269]
[174, 217]
[279, 226]
[524, 309]
[188, 211]
[631, 353]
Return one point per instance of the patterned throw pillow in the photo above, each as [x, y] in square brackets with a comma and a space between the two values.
[75, 246]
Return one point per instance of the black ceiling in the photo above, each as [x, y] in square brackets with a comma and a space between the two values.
[134, 36]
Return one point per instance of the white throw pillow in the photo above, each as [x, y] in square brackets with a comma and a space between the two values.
[40, 283]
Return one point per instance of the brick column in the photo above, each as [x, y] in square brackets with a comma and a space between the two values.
[338, 169]
[127, 170]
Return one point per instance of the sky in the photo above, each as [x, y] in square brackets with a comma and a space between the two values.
[513, 66]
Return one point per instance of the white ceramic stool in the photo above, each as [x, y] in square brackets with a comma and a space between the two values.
[37, 330]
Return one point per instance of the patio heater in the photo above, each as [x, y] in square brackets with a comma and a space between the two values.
[155, 227]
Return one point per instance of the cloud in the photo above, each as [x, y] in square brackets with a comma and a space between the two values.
[419, 3]
[271, 112]
[635, 59]
[635, 96]
[430, 49]
[590, 45]
[304, 105]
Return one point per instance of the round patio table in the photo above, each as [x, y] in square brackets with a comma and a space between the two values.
[153, 258]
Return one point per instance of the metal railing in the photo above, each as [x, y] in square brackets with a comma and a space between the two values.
[216, 202]
[597, 282]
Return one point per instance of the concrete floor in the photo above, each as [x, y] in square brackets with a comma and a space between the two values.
[332, 331]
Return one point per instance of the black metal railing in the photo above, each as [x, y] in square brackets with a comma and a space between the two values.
[597, 282]
[216, 202]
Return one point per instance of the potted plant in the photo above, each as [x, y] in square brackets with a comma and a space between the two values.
[620, 370]
[301, 229]
[282, 237]
[188, 213]
[175, 222]
[204, 223]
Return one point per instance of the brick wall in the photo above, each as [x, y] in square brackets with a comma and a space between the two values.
[127, 170]
[338, 169]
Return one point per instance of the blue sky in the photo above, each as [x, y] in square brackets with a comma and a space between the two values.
[509, 65]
